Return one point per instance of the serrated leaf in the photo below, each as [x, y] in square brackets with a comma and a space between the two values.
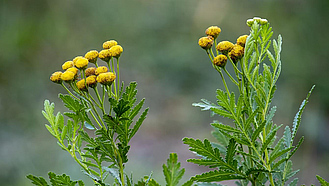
[215, 176]
[231, 149]
[298, 116]
[222, 113]
[255, 170]
[50, 130]
[222, 139]
[322, 181]
[293, 182]
[172, 171]
[64, 132]
[70, 102]
[278, 154]
[297, 147]
[226, 128]
[204, 105]
[138, 124]
[114, 172]
[40, 181]
[269, 138]
[257, 131]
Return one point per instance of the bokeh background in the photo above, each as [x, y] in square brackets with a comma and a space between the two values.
[160, 53]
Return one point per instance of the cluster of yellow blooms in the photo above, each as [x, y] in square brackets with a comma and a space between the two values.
[90, 76]
[226, 48]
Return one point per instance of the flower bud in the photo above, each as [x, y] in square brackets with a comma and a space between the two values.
[242, 40]
[67, 64]
[213, 31]
[250, 22]
[100, 70]
[115, 51]
[91, 81]
[224, 47]
[257, 19]
[104, 55]
[92, 56]
[81, 63]
[106, 78]
[90, 71]
[56, 77]
[109, 44]
[220, 60]
[263, 21]
[68, 76]
[206, 42]
[82, 85]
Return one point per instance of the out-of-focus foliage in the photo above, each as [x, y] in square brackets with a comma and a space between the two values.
[160, 39]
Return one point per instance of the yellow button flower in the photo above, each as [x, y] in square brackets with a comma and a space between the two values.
[81, 63]
[68, 76]
[242, 40]
[90, 71]
[81, 85]
[220, 60]
[213, 31]
[56, 77]
[100, 70]
[104, 55]
[106, 78]
[74, 70]
[206, 42]
[92, 56]
[236, 53]
[109, 44]
[91, 81]
[76, 59]
[67, 64]
[224, 47]
[115, 51]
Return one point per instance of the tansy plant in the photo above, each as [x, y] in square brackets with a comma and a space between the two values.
[249, 149]
[104, 115]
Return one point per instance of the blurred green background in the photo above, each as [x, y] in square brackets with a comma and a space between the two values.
[172, 71]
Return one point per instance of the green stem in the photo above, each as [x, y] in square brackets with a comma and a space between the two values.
[68, 90]
[229, 75]
[118, 76]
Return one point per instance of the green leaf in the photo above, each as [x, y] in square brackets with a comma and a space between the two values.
[114, 172]
[222, 113]
[203, 149]
[322, 181]
[222, 139]
[231, 149]
[255, 170]
[269, 138]
[121, 107]
[40, 181]
[70, 102]
[205, 105]
[63, 179]
[293, 182]
[215, 176]
[298, 116]
[64, 132]
[138, 124]
[297, 147]
[50, 130]
[273, 156]
[172, 171]
[257, 131]
[226, 128]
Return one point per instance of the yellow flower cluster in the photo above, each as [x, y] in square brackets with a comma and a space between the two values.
[79, 75]
[225, 48]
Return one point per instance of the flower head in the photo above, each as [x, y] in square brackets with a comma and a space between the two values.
[67, 64]
[115, 51]
[92, 56]
[73, 69]
[242, 40]
[100, 70]
[224, 47]
[109, 44]
[263, 21]
[67, 76]
[236, 53]
[106, 78]
[90, 71]
[56, 77]
[76, 59]
[220, 60]
[206, 42]
[91, 81]
[213, 31]
[81, 63]
[82, 85]
[104, 55]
